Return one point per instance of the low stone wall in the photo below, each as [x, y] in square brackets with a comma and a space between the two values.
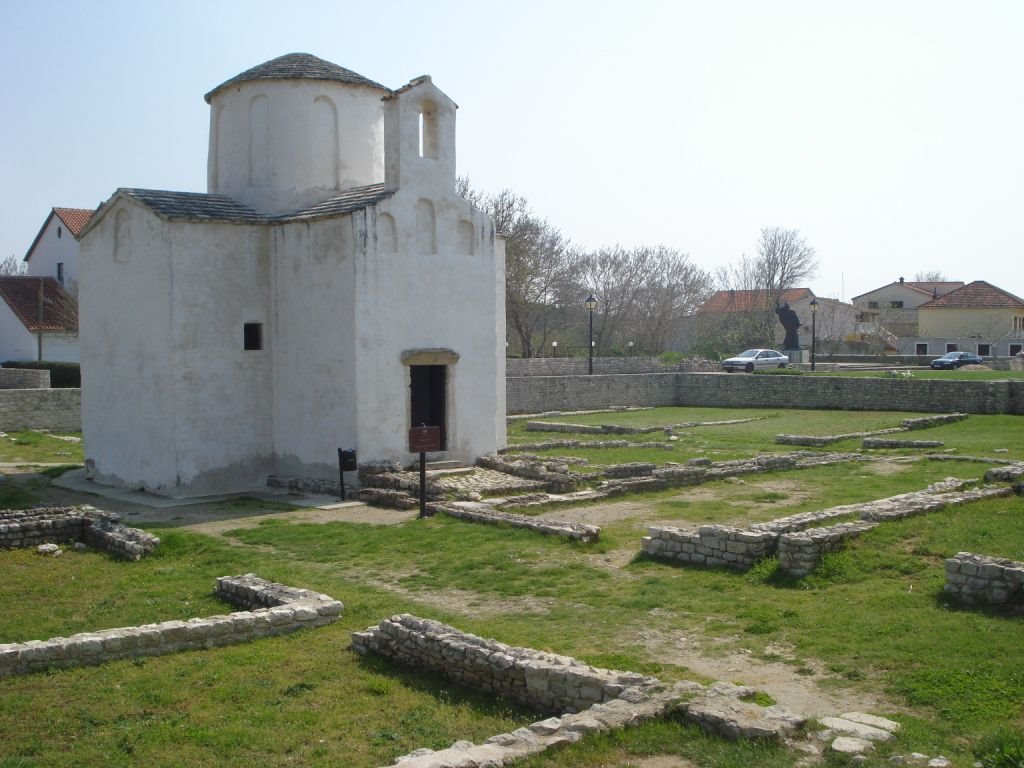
[482, 513]
[541, 681]
[24, 378]
[577, 366]
[711, 545]
[977, 579]
[726, 546]
[590, 699]
[820, 440]
[280, 609]
[878, 442]
[800, 552]
[533, 394]
[54, 525]
[55, 410]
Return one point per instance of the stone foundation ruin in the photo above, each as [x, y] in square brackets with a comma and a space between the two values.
[269, 609]
[798, 541]
[53, 525]
[590, 699]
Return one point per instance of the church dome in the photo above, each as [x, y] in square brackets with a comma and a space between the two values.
[297, 66]
[293, 132]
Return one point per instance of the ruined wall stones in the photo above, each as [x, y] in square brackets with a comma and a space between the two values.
[483, 513]
[275, 610]
[978, 579]
[54, 525]
[711, 545]
[545, 682]
[534, 394]
[801, 551]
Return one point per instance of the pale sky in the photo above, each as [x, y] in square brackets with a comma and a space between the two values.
[889, 133]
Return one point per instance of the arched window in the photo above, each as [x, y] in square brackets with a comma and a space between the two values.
[426, 228]
[259, 141]
[428, 130]
[325, 143]
[466, 239]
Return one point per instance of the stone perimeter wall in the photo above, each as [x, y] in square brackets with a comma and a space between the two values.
[577, 366]
[24, 378]
[271, 609]
[974, 579]
[533, 394]
[56, 410]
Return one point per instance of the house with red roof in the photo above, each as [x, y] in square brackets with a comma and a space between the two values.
[891, 310]
[38, 320]
[754, 310]
[54, 252]
[978, 317]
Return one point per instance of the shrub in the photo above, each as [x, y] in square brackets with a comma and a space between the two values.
[62, 375]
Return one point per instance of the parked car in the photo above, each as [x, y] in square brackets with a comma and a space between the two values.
[751, 359]
[952, 360]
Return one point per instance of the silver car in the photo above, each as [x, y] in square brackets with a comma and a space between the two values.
[752, 359]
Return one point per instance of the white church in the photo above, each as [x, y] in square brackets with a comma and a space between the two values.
[329, 291]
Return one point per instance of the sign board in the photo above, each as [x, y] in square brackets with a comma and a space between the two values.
[424, 439]
[347, 460]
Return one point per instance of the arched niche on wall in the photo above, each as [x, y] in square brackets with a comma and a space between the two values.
[387, 239]
[426, 227]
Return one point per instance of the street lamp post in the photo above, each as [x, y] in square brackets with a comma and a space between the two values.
[631, 349]
[814, 339]
[591, 304]
[554, 349]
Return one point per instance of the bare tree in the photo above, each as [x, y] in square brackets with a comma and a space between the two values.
[930, 276]
[784, 259]
[537, 263]
[12, 265]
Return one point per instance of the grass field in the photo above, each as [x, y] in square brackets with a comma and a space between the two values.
[870, 622]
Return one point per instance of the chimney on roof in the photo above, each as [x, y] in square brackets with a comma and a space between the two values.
[901, 279]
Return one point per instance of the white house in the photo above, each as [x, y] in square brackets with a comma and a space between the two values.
[38, 320]
[330, 290]
[54, 252]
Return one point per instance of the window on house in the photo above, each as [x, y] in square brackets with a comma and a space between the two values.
[60, 231]
[60, 272]
[1018, 323]
[252, 334]
[1016, 349]
[872, 305]
[951, 348]
[920, 349]
[985, 350]
[896, 304]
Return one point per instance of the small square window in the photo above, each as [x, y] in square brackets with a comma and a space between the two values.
[896, 304]
[921, 349]
[952, 348]
[984, 350]
[872, 305]
[253, 336]
[1015, 349]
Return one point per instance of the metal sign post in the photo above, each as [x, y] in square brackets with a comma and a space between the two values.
[424, 439]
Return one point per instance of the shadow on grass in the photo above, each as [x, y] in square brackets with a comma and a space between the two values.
[441, 688]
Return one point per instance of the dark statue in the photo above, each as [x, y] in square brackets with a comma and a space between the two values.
[791, 323]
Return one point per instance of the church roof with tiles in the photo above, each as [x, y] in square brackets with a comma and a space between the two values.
[297, 66]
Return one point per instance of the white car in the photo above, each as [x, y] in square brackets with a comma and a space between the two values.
[751, 359]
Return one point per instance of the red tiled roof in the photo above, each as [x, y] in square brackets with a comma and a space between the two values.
[976, 295]
[74, 218]
[22, 294]
[744, 301]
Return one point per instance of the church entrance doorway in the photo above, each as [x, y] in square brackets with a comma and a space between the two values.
[428, 392]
